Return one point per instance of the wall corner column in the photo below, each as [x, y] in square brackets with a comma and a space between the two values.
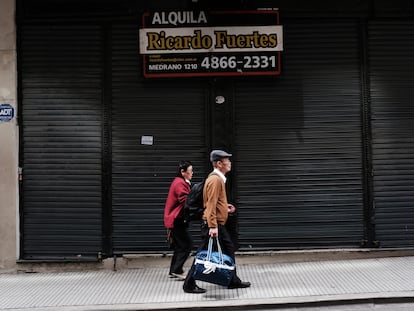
[9, 137]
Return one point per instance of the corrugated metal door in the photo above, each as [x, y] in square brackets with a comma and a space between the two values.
[392, 79]
[172, 114]
[61, 80]
[298, 140]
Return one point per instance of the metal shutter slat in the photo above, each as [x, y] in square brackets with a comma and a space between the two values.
[299, 144]
[61, 89]
[172, 111]
[391, 77]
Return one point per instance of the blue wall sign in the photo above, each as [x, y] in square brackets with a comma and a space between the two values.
[6, 112]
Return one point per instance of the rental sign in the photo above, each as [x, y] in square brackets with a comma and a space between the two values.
[219, 43]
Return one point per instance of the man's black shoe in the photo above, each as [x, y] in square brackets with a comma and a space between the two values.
[239, 285]
[194, 290]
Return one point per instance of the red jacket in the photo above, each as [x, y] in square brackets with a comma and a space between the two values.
[177, 196]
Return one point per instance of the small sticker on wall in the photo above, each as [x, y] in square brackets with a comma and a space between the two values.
[147, 140]
[6, 112]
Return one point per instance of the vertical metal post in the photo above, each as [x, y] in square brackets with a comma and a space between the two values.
[107, 144]
[369, 203]
[19, 26]
[222, 129]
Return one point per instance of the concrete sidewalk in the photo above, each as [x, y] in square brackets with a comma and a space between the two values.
[273, 284]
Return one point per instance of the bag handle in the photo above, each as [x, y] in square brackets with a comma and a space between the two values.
[210, 250]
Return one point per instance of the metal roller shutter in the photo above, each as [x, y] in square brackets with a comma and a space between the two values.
[392, 79]
[172, 112]
[298, 140]
[61, 80]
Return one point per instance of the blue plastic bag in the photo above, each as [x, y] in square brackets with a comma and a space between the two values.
[214, 266]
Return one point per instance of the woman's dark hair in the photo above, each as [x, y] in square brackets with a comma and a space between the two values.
[183, 165]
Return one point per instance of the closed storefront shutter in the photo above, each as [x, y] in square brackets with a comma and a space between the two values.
[155, 123]
[61, 80]
[100, 144]
[298, 140]
[391, 82]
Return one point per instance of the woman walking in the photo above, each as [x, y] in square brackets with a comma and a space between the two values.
[175, 221]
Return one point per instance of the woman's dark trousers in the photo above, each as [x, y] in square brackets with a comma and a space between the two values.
[182, 246]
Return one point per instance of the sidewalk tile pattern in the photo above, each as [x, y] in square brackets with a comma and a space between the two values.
[294, 282]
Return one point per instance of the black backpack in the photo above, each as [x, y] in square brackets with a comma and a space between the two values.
[194, 208]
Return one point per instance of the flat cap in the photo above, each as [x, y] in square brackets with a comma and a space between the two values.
[217, 155]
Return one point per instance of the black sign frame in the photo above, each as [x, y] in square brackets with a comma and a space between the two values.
[207, 64]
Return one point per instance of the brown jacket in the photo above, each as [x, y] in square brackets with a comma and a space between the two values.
[215, 201]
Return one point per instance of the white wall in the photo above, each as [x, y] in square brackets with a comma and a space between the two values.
[8, 139]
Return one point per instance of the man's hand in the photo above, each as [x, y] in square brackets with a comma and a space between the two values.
[213, 232]
[231, 208]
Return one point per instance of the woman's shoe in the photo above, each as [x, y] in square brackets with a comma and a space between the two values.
[181, 276]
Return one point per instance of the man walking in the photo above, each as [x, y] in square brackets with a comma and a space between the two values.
[216, 211]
